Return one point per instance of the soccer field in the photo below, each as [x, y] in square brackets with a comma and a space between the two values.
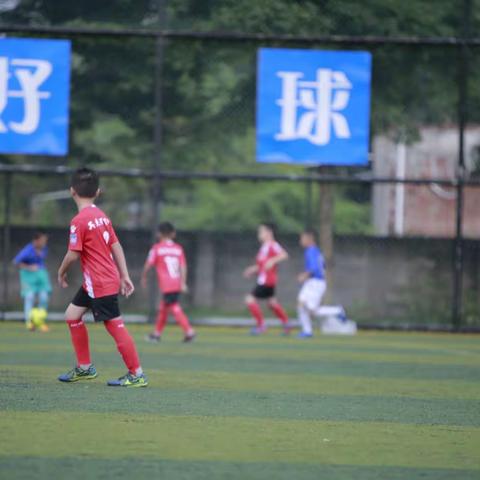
[375, 406]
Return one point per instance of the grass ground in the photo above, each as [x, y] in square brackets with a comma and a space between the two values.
[378, 406]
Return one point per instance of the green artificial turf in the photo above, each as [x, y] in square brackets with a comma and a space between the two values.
[376, 406]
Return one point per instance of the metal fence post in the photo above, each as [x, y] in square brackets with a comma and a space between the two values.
[157, 155]
[7, 190]
[458, 252]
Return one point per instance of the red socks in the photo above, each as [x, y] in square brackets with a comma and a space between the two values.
[278, 310]
[161, 319]
[180, 318]
[79, 334]
[257, 314]
[125, 344]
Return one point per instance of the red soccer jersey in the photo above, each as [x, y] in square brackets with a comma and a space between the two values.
[92, 235]
[168, 258]
[267, 250]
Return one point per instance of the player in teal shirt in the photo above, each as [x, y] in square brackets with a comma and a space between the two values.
[34, 279]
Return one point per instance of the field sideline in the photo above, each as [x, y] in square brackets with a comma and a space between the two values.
[379, 406]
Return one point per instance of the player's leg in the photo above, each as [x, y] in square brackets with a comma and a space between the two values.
[279, 312]
[106, 310]
[84, 369]
[182, 320]
[255, 310]
[27, 285]
[331, 311]
[160, 323]
[309, 298]
[43, 297]
[44, 288]
[28, 303]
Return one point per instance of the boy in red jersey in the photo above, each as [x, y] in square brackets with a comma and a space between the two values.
[168, 259]
[271, 253]
[93, 241]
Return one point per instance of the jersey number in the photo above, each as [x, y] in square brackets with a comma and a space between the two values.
[173, 266]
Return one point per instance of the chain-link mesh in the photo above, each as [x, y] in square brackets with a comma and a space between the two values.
[393, 248]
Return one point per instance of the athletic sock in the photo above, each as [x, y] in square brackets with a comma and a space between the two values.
[304, 319]
[125, 344]
[278, 310]
[161, 318]
[79, 335]
[181, 318]
[257, 314]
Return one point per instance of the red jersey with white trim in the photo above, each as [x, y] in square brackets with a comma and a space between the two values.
[168, 258]
[92, 235]
[267, 251]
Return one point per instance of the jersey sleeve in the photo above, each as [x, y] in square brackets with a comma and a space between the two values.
[276, 249]
[183, 259]
[77, 232]
[151, 257]
[21, 255]
[113, 235]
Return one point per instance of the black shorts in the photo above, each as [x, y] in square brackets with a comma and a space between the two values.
[171, 298]
[263, 292]
[103, 308]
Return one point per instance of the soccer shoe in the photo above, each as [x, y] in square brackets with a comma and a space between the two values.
[305, 335]
[152, 338]
[44, 328]
[78, 373]
[30, 326]
[189, 337]
[258, 331]
[129, 380]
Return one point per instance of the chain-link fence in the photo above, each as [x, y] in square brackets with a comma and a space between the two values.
[163, 101]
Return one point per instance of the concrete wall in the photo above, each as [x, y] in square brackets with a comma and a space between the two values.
[428, 210]
[379, 279]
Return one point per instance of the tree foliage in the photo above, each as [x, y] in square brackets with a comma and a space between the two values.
[209, 94]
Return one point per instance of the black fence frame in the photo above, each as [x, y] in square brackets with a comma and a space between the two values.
[463, 44]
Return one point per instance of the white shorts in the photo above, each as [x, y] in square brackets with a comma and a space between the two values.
[312, 292]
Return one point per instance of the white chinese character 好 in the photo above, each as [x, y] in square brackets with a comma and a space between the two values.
[30, 74]
[310, 110]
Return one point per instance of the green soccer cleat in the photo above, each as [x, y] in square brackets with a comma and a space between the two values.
[129, 380]
[77, 373]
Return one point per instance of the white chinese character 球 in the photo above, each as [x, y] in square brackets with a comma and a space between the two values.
[30, 74]
[310, 109]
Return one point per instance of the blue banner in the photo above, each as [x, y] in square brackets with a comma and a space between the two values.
[34, 96]
[313, 107]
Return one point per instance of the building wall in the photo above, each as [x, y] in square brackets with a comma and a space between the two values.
[428, 210]
[377, 279]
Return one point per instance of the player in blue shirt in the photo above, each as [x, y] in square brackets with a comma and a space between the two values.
[34, 279]
[313, 286]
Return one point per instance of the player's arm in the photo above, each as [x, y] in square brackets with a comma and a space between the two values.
[280, 257]
[70, 257]
[146, 267]
[126, 284]
[19, 261]
[26, 266]
[250, 270]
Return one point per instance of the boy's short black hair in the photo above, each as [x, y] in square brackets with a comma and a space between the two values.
[166, 229]
[85, 182]
[39, 234]
[270, 226]
[311, 232]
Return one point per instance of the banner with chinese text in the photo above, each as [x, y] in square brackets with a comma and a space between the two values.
[313, 106]
[34, 96]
